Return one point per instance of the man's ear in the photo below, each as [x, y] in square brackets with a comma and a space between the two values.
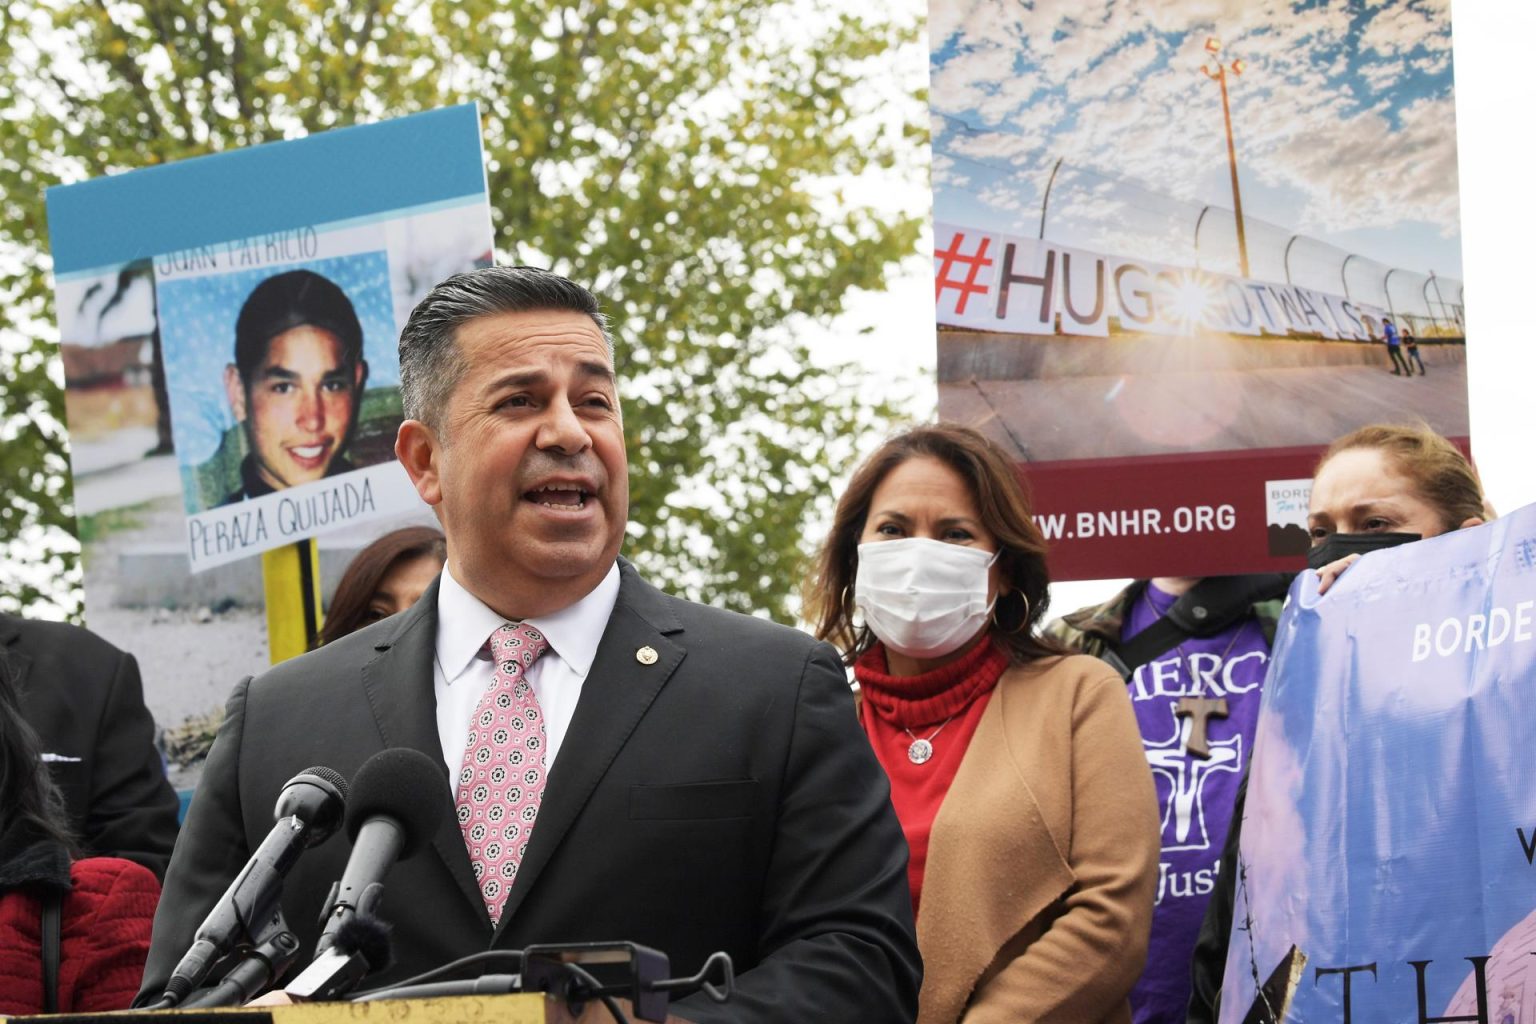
[417, 448]
[360, 376]
[234, 389]
[1470, 522]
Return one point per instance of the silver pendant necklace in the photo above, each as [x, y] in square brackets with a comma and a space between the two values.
[922, 748]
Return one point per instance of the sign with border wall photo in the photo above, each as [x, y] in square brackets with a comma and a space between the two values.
[1177, 253]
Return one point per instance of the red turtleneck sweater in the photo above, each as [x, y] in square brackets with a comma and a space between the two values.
[942, 706]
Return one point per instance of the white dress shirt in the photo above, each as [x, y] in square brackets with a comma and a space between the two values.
[461, 673]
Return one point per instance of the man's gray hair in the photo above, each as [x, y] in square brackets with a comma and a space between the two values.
[431, 364]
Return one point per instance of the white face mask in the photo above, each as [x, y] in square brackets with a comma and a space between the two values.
[923, 598]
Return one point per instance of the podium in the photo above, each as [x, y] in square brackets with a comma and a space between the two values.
[530, 1008]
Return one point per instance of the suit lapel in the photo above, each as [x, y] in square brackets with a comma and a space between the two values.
[614, 697]
[399, 688]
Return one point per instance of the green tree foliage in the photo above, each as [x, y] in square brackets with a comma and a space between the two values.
[40, 567]
[680, 156]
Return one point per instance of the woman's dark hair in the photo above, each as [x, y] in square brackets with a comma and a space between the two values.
[293, 299]
[1439, 471]
[27, 792]
[1002, 499]
[349, 605]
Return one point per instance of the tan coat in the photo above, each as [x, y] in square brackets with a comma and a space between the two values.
[1037, 894]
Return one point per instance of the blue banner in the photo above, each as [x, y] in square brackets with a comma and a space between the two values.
[264, 289]
[355, 173]
[1386, 870]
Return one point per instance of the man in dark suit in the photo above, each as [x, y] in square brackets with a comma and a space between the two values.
[707, 785]
[85, 701]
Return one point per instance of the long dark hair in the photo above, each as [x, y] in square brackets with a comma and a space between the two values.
[349, 605]
[1003, 502]
[27, 793]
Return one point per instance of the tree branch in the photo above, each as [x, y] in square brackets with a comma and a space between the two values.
[130, 71]
[363, 35]
[234, 62]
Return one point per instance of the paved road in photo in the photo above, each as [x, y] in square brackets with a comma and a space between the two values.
[1212, 410]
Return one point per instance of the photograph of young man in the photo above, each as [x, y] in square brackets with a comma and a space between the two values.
[296, 381]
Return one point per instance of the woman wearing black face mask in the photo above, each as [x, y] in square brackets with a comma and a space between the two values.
[1375, 488]
[1017, 772]
[1387, 485]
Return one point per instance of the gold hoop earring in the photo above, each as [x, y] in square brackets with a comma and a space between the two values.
[1023, 623]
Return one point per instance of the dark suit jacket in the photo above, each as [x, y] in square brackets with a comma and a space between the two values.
[84, 699]
[720, 798]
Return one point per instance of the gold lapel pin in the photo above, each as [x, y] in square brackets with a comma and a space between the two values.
[646, 655]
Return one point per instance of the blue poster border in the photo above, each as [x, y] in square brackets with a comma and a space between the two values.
[423, 160]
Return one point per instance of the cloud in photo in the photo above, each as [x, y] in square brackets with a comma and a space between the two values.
[1343, 117]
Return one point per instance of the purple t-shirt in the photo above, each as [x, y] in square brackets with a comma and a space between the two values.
[1195, 794]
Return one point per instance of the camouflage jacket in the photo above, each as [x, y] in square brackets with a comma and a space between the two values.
[1091, 630]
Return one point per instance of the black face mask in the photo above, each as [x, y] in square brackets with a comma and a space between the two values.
[1340, 544]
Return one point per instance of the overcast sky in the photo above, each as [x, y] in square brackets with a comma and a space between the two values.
[1343, 117]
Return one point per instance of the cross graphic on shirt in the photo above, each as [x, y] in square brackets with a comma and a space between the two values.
[1186, 777]
[1197, 710]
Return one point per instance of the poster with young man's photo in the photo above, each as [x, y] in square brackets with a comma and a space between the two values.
[229, 328]
[295, 376]
[284, 388]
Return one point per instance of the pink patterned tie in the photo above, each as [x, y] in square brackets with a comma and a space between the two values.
[502, 779]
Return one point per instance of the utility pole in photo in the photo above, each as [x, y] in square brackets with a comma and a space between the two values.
[1219, 73]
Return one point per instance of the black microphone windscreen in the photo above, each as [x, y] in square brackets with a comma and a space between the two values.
[368, 937]
[404, 784]
[316, 796]
[332, 776]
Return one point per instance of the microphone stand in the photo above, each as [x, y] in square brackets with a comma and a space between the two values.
[308, 810]
[264, 961]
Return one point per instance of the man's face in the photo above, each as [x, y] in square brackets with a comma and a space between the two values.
[298, 405]
[527, 468]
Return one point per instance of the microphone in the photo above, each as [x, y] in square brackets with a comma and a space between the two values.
[267, 957]
[361, 947]
[309, 808]
[398, 801]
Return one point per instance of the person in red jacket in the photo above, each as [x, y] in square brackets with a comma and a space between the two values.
[104, 905]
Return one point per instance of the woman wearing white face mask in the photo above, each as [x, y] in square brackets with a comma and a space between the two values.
[1016, 770]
